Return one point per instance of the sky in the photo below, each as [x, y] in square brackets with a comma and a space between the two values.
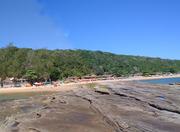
[131, 27]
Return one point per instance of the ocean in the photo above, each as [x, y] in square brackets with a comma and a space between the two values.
[163, 81]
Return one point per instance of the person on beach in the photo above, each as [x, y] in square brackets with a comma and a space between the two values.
[2, 84]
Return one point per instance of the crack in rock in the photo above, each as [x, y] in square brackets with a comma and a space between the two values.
[150, 104]
[164, 109]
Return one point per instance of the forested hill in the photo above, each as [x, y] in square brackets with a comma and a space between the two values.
[58, 64]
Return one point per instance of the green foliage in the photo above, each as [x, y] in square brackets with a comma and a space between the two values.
[58, 64]
[31, 76]
[55, 74]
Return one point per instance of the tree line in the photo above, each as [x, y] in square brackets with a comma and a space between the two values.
[43, 64]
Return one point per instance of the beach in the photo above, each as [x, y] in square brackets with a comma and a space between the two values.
[70, 86]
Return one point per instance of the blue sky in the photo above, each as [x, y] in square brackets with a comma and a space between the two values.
[133, 27]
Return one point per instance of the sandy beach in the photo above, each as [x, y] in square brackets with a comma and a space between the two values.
[70, 86]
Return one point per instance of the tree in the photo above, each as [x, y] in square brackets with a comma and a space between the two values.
[31, 76]
[55, 74]
[57, 64]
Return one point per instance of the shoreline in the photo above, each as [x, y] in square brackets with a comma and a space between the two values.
[132, 105]
[71, 86]
[151, 77]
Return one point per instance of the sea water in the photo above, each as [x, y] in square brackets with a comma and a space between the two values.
[163, 81]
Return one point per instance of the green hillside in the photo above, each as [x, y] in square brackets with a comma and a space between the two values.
[58, 64]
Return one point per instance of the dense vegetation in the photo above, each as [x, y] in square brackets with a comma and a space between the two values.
[57, 64]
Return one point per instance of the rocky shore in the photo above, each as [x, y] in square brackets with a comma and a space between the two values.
[96, 107]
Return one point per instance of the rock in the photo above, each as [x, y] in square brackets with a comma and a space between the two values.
[15, 124]
[122, 124]
[33, 130]
[127, 106]
[178, 83]
[38, 115]
[62, 102]
[102, 90]
[53, 98]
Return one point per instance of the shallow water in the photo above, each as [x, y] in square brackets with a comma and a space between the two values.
[17, 96]
[163, 81]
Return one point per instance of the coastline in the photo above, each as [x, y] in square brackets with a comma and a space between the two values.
[151, 77]
[71, 86]
[93, 108]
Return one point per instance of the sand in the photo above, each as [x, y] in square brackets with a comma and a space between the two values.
[71, 86]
